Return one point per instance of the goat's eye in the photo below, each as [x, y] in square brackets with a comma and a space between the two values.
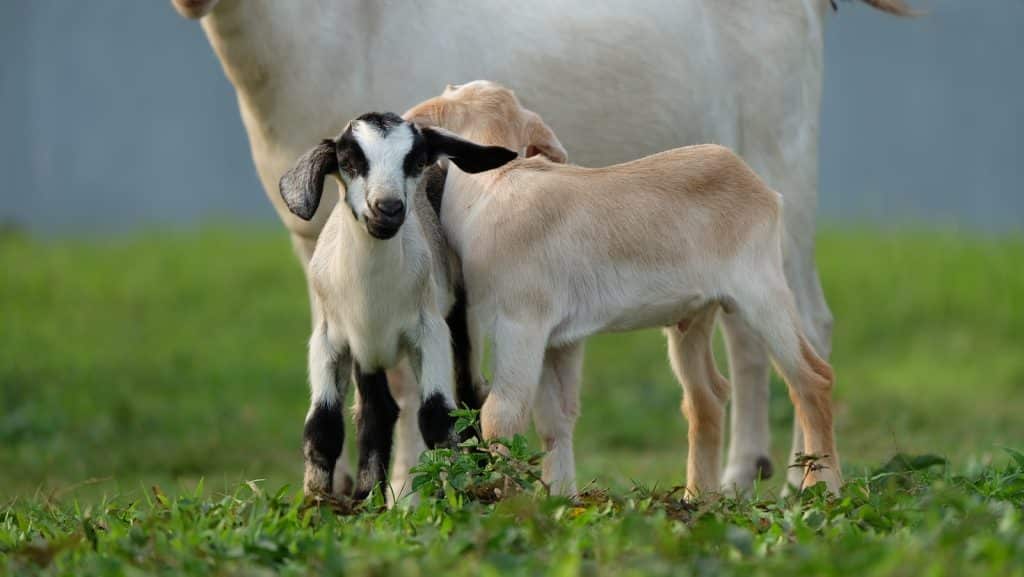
[416, 163]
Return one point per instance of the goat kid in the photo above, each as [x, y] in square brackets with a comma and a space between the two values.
[383, 284]
[553, 253]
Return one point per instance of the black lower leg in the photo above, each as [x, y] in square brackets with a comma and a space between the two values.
[764, 468]
[323, 438]
[466, 392]
[436, 422]
[375, 427]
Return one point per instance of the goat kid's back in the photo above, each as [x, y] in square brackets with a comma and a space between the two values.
[688, 210]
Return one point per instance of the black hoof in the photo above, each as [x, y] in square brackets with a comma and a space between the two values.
[436, 422]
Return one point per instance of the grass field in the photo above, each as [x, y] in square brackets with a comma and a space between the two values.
[165, 359]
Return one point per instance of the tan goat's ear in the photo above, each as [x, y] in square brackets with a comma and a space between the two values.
[428, 113]
[540, 139]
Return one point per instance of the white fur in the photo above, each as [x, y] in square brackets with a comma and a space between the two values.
[381, 301]
[617, 79]
[384, 154]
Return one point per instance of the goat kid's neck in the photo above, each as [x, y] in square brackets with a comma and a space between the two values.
[358, 249]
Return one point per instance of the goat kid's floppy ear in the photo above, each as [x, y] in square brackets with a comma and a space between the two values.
[468, 156]
[542, 140]
[303, 184]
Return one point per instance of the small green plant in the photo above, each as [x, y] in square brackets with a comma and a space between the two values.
[934, 521]
[478, 471]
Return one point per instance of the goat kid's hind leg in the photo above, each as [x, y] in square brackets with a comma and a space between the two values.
[809, 378]
[432, 361]
[324, 431]
[705, 392]
[555, 409]
[376, 413]
[816, 317]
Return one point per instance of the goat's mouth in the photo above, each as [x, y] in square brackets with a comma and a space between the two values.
[383, 228]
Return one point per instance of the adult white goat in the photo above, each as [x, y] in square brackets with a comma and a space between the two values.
[618, 79]
[553, 253]
[383, 286]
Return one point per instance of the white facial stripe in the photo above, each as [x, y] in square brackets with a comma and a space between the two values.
[385, 155]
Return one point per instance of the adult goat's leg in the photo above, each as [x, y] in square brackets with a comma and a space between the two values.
[750, 432]
[408, 439]
[781, 144]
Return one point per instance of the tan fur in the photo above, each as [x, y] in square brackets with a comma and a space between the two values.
[705, 394]
[705, 192]
[553, 253]
[818, 379]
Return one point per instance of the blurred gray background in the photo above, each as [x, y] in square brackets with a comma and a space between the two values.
[114, 114]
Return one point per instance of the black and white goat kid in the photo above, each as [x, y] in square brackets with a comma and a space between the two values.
[384, 282]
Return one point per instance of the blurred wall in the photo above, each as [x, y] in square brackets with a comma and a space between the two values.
[115, 114]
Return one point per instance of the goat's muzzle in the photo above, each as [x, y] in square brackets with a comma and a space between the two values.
[385, 217]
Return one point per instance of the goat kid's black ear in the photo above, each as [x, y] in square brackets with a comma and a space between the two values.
[303, 184]
[468, 156]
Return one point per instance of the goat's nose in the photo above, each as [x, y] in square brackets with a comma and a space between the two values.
[388, 206]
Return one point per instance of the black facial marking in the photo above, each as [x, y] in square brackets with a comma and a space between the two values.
[351, 160]
[375, 427]
[419, 156]
[433, 185]
[436, 423]
[765, 470]
[382, 122]
[324, 436]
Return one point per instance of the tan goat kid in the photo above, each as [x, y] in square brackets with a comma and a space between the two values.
[553, 253]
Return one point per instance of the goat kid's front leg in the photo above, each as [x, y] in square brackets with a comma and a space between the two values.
[376, 413]
[324, 431]
[518, 360]
[432, 362]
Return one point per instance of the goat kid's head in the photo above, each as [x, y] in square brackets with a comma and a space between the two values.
[380, 159]
[194, 9]
[488, 110]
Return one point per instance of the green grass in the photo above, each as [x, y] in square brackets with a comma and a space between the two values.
[164, 359]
